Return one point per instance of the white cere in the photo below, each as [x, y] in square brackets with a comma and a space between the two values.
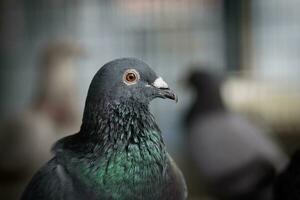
[160, 83]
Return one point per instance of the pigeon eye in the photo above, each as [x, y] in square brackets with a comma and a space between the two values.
[130, 77]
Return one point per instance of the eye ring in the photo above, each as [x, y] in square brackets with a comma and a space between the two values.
[131, 76]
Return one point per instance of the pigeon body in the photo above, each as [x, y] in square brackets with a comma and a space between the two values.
[119, 152]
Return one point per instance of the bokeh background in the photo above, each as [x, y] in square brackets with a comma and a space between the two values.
[58, 45]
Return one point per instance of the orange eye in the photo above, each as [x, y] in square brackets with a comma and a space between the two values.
[131, 76]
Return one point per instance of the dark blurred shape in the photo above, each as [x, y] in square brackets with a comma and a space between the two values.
[26, 137]
[287, 184]
[208, 97]
[234, 157]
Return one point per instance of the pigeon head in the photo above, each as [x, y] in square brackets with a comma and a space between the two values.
[127, 79]
[207, 89]
[204, 81]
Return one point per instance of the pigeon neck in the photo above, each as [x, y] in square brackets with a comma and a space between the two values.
[120, 124]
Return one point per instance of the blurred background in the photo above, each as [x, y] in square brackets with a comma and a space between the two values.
[50, 50]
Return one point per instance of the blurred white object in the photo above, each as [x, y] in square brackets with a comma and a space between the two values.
[276, 102]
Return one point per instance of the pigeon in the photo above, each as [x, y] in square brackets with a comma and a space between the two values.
[233, 156]
[27, 136]
[287, 184]
[119, 152]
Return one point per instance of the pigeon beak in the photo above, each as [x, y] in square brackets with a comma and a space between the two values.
[164, 91]
[169, 94]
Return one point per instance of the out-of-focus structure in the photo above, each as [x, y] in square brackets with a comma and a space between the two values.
[255, 42]
[286, 186]
[233, 157]
[26, 137]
